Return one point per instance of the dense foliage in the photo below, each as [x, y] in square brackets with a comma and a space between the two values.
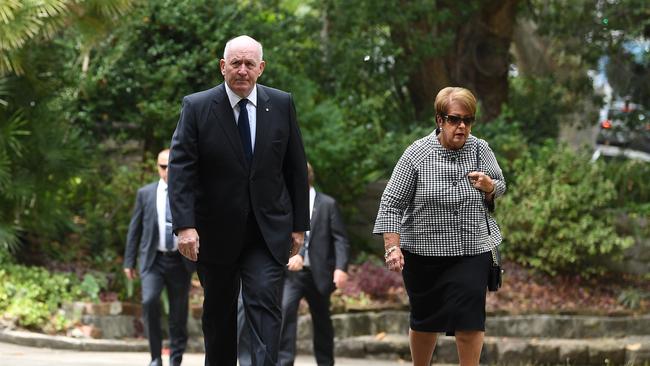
[31, 296]
[557, 215]
[90, 94]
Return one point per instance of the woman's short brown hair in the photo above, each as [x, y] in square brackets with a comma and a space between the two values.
[455, 94]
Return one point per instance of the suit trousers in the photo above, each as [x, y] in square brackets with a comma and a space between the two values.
[261, 279]
[169, 272]
[298, 285]
[243, 335]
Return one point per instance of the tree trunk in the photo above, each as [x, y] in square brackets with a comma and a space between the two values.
[478, 57]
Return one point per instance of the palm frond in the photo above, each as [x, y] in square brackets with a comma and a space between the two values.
[8, 237]
[5, 171]
[12, 133]
[108, 9]
[7, 10]
[4, 90]
[21, 21]
[52, 8]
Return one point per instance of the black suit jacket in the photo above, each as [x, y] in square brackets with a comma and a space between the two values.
[213, 189]
[328, 243]
[143, 237]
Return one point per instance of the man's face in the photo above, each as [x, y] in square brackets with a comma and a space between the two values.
[163, 160]
[242, 67]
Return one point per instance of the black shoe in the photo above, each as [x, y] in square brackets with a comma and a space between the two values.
[175, 362]
[156, 362]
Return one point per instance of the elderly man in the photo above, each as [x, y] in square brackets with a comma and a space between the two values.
[239, 197]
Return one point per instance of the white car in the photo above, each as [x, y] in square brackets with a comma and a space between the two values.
[624, 132]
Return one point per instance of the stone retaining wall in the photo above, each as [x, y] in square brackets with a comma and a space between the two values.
[117, 320]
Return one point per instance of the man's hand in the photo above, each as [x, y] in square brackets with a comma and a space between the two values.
[188, 243]
[295, 263]
[130, 273]
[340, 277]
[297, 239]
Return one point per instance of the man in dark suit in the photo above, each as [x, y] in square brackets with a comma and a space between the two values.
[319, 268]
[161, 265]
[238, 181]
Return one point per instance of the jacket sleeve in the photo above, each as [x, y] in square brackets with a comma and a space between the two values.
[491, 167]
[183, 168]
[295, 174]
[339, 238]
[135, 232]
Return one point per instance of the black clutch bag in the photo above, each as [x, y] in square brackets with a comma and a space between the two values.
[494, 277]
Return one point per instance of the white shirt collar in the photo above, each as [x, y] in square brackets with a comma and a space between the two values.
[234, 98]
[162, 184]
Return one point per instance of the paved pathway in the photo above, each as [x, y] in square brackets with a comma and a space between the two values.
[13, 355]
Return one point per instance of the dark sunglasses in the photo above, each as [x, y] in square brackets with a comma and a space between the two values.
[162, 166]
[456, 120]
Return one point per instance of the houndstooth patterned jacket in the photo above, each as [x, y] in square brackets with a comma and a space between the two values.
[431, 203]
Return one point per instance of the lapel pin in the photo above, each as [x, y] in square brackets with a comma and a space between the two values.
[267, 109]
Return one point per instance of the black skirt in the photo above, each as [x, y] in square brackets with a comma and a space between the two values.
[446, 294]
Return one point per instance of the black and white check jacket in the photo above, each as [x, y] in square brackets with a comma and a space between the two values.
[430, 202]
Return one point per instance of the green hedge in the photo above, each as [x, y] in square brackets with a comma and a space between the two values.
[558, 214]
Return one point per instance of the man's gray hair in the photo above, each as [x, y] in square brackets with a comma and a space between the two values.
[226, 49]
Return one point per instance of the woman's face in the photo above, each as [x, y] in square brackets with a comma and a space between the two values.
[455, 126]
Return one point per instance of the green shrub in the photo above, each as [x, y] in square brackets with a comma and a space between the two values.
[556, 214]
[630, 184]
[31, 296]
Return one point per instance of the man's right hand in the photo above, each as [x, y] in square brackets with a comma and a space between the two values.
[295, 263]
[188, 243]
[130, 273]
[297, 240]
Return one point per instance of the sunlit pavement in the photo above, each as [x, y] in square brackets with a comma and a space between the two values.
[12, 355]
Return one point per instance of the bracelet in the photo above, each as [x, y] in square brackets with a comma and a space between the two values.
[390, 250]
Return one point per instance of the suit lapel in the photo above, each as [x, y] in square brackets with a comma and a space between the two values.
[225, 117]
[261, 124]
[154, 207]
[314, 214]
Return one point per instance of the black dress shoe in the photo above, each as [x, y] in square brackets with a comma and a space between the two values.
[156, 362]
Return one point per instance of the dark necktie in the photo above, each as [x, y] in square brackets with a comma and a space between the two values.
[245, 130]
[169, 236]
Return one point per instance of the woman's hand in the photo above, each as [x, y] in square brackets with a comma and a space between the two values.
[482, 182]
[393, 254]
[395, 259]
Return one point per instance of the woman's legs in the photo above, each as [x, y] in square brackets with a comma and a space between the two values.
[469, 345]
[422, 345]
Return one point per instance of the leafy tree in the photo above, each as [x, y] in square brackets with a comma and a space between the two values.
[41, 153]
[23, 21]
[416, 48]
[580, 33]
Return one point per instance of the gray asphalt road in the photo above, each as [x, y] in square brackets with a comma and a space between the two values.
[12, 355]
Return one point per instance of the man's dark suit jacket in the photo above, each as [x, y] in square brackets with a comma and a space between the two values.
[213, 189]
[143, 236]
[328, 243]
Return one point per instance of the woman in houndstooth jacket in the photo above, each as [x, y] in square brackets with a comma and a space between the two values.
[437, 229]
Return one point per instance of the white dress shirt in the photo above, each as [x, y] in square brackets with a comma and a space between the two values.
[312, 198]
[251, 107]
[161, 204]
